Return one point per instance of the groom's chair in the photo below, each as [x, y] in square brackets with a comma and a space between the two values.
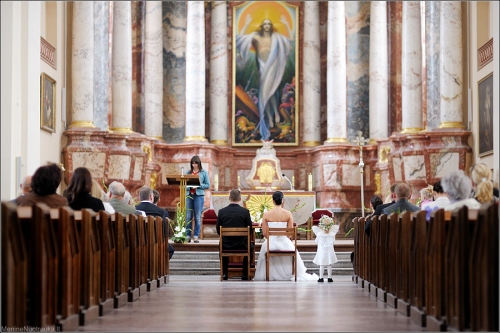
[235, 232]
[287, 232]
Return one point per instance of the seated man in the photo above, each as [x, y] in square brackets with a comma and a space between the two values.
[380, 208]
[25, 187]
[116, 192]
[234, 216]
[147, 206]
[402, 204]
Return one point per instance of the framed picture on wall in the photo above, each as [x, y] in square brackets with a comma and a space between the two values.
[485, 107]
[265, 73]
[48, 103]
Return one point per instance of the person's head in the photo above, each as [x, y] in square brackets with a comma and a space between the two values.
[196, 161]
[156, 197]
[146, 194]
[402, 191]
[278, 198]
[457, 185]
[266, 26]
[80, 183]
[126, 197]
[437, 188]
[375, 201]
[96, 190]
[26, 185]
[235, 196]
[481, 175]
[117, 189]
[46, 179]
[426, 193]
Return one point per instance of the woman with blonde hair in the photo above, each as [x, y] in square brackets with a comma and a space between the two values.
[481, 181]
[98, 193]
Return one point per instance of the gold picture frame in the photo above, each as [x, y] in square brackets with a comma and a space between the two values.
[485, 115]
[272, 79]
[47, 103]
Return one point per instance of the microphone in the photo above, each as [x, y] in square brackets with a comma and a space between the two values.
[291, 186]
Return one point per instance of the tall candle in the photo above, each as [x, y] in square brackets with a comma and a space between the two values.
[293, 182]
[310, 182]
[238, 181]
[216, 182]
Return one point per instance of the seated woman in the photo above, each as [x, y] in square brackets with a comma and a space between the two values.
[78, 191]
[280, 267]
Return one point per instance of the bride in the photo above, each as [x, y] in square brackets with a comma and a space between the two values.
[280, 267]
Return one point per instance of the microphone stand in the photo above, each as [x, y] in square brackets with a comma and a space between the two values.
[291, 185]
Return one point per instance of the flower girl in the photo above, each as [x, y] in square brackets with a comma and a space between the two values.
[325, 238]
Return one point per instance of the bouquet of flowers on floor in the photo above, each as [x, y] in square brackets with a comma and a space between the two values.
[178, 225]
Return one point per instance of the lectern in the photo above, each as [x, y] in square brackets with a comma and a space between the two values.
[183, 181]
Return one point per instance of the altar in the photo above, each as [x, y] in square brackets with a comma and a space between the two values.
[300, 203]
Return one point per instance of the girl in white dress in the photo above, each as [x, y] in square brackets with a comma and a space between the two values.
[325, 238]
[280, 267]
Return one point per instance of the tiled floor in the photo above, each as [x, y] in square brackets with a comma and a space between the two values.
[203, 303]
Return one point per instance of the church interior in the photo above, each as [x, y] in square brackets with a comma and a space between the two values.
[330, 102]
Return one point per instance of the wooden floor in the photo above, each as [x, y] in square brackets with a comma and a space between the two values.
[204, 303]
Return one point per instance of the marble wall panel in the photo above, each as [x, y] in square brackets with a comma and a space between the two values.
[227, 176]
[174, 70]
[350, 175]
[94, 161]
[414, 167]
[101, 62]
[396, 165]
[395, 47]
[138, 13]
[331, 177]
[119, 166]
[358, 67]
[139, 164]
[442, 164]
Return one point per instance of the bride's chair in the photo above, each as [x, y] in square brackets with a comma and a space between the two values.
[235, 232]
[286, 232]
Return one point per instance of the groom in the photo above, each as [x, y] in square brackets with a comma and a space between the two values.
[234, 216]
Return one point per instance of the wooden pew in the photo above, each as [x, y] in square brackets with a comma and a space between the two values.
[403, 262]
[142, 224]
[435, 280]
[135, 257]
[14, 269]
[483, 271]
[417, 269]
[372, 255]
[163, 255]
[360, 256]
[91, 265]
[69, 253]
[355, 264]
[108, 262]
[382, 262]
[122, 241]
[392, 256]
[152, 253]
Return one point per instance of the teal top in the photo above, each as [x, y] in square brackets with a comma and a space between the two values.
[204, 183]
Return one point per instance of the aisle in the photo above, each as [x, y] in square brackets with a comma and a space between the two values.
[203, 303]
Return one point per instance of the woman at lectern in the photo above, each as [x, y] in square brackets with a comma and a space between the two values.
[195, 199]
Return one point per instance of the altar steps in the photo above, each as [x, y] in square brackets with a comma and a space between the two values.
[207, 263]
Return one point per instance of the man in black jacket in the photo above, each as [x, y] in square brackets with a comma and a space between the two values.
[234, 216]
[147, 206]
[380, 208]
[403, 193]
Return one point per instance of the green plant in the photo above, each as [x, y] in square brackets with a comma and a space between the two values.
[178, 225]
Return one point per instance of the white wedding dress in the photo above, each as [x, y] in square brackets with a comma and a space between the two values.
[280, 267]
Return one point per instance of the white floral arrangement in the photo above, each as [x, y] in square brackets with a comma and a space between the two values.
[178, 225]
[326, 223]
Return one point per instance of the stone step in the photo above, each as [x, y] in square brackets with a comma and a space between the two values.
[207, 263]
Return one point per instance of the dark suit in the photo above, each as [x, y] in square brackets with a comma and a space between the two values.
[153, 210]
[234, 216]
[378, 211]
[87, 201]
[401, 206]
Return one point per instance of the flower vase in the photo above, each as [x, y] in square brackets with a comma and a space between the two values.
[177, 241]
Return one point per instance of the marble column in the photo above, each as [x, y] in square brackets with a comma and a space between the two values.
[195, 73]
[336, 73]
[153, 71]
[450, 76]
[311, 75]
[379, 71]
[395, 9]
[412, 68]
[82, 73]
[122, 68]
[218, 74]
[101, 62]
[432, 56]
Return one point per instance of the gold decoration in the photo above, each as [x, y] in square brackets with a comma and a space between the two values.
[147, 150]
[378, 186]
[152, 181]
[257, 203]
[266, 173]
[383, 155]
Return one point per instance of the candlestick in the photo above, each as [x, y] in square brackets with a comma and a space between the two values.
[238, 181]
[216, 182]
[293, 181]
[310, 182]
